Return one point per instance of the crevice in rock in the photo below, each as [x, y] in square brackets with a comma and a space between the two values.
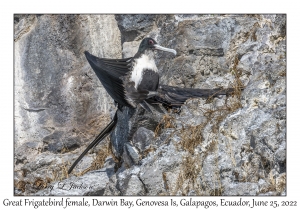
[35, 109]
[144, 186]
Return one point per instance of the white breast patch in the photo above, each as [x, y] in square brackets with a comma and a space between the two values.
[141, 64]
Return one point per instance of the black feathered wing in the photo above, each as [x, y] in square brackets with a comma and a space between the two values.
[110, 73]
[176, 96]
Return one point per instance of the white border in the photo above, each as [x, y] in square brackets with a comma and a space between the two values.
[151, 6]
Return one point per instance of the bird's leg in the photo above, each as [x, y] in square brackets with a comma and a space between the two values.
[151, 94]
[155, 93]
[157, 116]
[162, 108]
[146, 107]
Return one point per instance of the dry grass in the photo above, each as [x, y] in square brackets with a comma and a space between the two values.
[150, 149]
[59, 172]
[192, 136]
[92, 127]
[188, 177]
[191, 177]
[166, 122]
[21, 185]
[37, 184]
[281, 183]
[274, 184]
[164, 176]
[40, 183]
[101, 156]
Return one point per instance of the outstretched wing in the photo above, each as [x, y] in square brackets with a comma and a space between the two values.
[176, 96]
[109, 72]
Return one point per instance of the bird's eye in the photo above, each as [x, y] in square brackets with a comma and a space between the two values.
[151, 42]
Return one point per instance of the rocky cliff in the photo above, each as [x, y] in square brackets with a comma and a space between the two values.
[226, 145]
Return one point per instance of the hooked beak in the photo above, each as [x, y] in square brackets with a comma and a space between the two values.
[158, 47]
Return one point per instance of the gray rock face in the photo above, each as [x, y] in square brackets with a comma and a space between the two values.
[59, 103]
[143, 138]
[134, 27]
[92, 183]
[233, 145]
[129, 120]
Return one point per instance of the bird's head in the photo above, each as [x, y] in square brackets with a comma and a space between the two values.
[151, 44]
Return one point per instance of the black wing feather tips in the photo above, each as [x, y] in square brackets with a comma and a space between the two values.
[176, 96]
[109, 72]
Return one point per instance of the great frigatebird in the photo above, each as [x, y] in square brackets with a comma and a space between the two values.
[135, 81]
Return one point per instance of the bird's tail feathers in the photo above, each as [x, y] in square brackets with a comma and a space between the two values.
[97, 140]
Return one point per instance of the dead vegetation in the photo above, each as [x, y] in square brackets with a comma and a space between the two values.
[101, 156]
[21, 185]
[166, 122]
[273, 184]
[37, 184]
[192, 136]
[59, 172]
[191, 178]
[187, 180]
